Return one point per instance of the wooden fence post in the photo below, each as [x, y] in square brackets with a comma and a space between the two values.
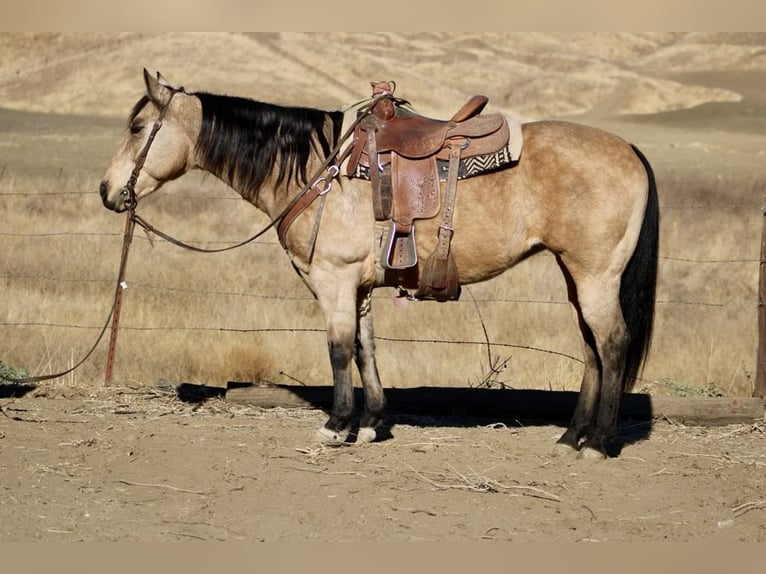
[128, 237]
[760, 367]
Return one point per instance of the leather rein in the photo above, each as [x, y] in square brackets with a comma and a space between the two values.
[317, 187]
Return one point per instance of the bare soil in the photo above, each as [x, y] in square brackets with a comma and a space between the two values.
[139, 464]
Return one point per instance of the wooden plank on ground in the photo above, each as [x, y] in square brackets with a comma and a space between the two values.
[506, 403]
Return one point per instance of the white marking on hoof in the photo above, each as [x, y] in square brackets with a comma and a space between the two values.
[564, 450]
[329, 437]
[588, 453]
[366, 435]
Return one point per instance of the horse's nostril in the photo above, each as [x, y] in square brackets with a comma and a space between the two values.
[103, 189]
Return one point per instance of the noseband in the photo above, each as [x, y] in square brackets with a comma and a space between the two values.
[129, 191]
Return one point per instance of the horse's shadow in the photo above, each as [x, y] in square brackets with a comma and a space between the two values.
[15, 390]
[457, 407]
[629, 431]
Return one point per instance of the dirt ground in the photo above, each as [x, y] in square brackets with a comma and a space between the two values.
[122, 464]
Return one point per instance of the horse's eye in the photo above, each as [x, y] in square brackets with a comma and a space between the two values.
[136, 128]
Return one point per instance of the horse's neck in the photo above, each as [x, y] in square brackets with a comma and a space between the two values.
[270, 198]
[273, 192]
[267, 198]
[273, 198]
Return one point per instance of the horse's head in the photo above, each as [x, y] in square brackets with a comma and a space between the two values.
[148, 154]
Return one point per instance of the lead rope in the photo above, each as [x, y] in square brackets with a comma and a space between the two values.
[133, 219]
[113, 312]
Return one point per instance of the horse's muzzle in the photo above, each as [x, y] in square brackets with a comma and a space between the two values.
[117, 205]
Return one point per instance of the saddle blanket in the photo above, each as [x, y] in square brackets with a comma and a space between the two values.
[469, 166]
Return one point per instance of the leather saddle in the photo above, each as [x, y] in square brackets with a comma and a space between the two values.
[405, 156]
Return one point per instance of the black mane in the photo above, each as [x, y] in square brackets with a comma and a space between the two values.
[242, 140]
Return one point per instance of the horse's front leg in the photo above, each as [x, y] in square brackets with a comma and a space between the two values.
[338, 299]
[341, 348]
[374, 399]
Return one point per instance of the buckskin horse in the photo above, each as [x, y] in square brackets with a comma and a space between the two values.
[584, 194]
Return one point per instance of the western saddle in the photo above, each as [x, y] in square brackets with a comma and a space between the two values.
[405, 156]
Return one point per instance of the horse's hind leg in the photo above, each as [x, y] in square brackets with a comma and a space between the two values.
[613, 340]
[585, 411]
[602, 312]
[587, 400]
[595, 418]
[374, 399]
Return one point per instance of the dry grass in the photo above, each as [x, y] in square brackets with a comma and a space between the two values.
[244, 315]
[475, 482]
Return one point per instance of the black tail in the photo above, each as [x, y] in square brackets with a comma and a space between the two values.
[639, 283]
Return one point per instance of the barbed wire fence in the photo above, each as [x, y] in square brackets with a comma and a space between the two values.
[38, 281]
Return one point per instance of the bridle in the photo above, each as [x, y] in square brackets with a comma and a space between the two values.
[318, 186]
[131, 202]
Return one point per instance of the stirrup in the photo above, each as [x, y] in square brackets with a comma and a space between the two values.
[401, 252]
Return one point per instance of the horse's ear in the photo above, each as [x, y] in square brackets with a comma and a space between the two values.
[158, 89]
[161, 79]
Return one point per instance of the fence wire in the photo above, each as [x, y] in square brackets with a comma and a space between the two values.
[64, 234]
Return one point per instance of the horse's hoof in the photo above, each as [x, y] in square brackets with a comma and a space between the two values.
[561, 449]
[327, 437]
[588, 453]
[365, 435]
